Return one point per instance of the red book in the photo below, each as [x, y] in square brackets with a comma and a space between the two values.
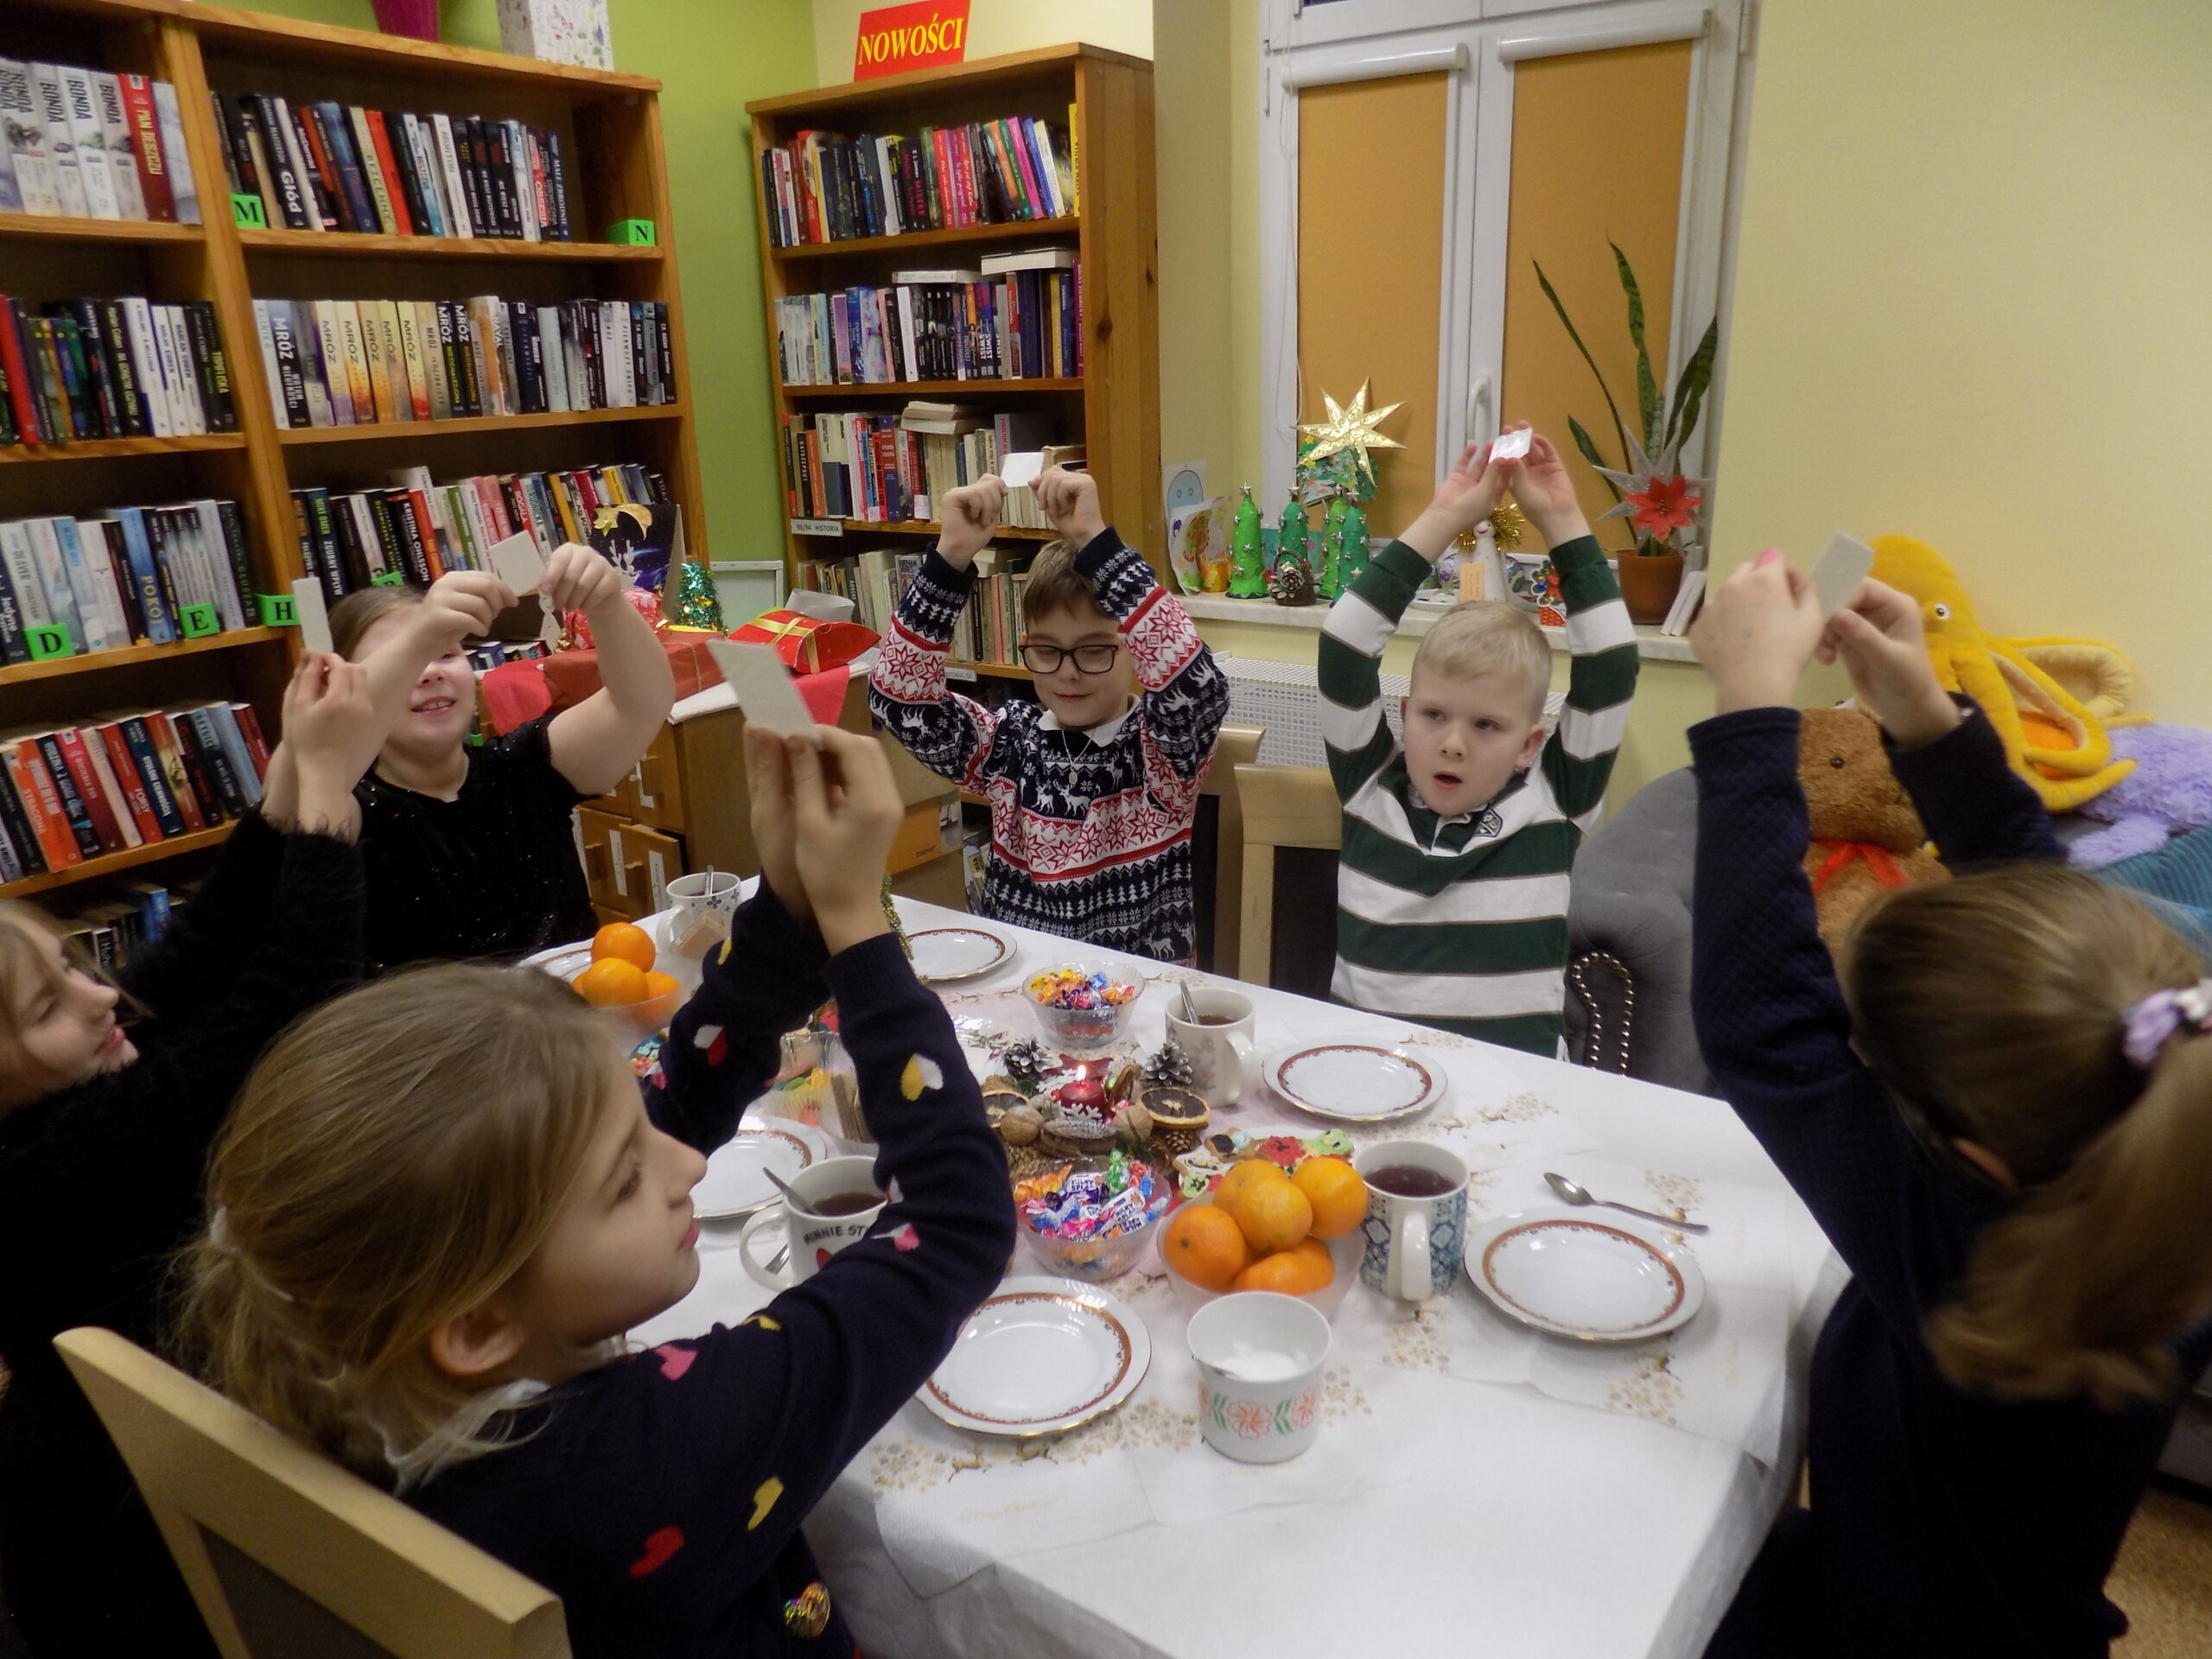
[381, 138]
[179, 781]
[255, 745]
[321, 158]
[27, 423]
[73, 756]
[42, 804]
[144, 122]
[419, 505]
[128, 781]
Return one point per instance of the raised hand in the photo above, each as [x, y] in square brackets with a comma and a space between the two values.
[847, 810]
[461, 605]
[331, 735]
[1070, 501]
[967, 517]
[1756, 633]
[577, 578]
[775, 823]
[1463, 497]
[1879, 638]
[1543, 490]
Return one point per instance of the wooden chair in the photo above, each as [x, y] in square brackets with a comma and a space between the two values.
[1283, 806]
[290, 1556]
[1238, 746]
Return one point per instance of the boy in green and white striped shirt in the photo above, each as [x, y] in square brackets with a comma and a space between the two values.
[1452, 884]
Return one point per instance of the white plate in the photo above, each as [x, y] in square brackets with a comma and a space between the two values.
[1354, 1082]
[944, 953]
[736, 1182]
[1610, 1280]
[1041, 1355]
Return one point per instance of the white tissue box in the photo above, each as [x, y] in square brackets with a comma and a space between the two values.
[558, 31]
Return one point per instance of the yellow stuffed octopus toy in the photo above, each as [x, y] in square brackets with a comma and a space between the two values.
[2049, 699]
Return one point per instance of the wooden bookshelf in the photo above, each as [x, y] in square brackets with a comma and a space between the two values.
[1113, 408]
[930, 527]
[995, 670]
[609, 127]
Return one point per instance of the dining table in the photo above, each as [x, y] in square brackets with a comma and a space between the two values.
[1477, 1488]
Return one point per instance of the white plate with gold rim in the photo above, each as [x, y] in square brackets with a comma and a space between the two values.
[736, 1182]
[1571, 1275]
[1042, 1355]
[944, 955]
[1354, 1082]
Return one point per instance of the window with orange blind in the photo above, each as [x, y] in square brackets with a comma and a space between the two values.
[1415, 171]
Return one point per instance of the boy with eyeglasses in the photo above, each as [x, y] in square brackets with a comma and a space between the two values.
[1093, 788]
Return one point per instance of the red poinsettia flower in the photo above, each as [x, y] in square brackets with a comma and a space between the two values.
[1664, 505]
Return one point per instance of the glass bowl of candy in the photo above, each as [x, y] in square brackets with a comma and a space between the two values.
[1085, 1007]
[1092, 1218]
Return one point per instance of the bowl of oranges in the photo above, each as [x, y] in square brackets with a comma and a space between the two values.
[618, 975]
[1264, 1227]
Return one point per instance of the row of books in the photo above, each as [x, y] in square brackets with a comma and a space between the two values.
[110, 933]
[989, 628]
[419, 531]
[103, 583]
[87, 144]
[937, 325]
[121, 780]
[828, 187]
[325, 166]
[358, 363]
[887, 469]
[75, 370]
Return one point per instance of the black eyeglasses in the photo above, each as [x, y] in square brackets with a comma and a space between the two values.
[1088, 660]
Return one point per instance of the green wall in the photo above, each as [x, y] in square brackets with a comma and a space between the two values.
[709, 56]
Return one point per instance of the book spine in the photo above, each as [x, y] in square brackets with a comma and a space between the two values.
[293, 205]
[170, 752]
[250, 729]
[456, 187]
[386, 182]
[319, 187]
[207, 743]
[422, 169]
[52, 576]
[21, 115]
[123, 368]
[76, 812]
[121, 149]
[556, 184]
[184, 398]
[287, 348]
[13, 650]
[142, 123]
[404, 321]
[93, 174]
[184, 187]
[129, 785]
[224, 719]
[15, 816]
[42, 804]
[211, 368]
[146, 758]
[85, 782]
[231, 524]
[334, 198]
[104, 390]
[112, 786]
[153, 601]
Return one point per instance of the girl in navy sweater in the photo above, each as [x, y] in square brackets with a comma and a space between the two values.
[442, 1199]
[1999, 1108]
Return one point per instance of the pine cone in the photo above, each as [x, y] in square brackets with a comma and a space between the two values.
[1291, 584]
[1029, 1063]
[1170, 1067]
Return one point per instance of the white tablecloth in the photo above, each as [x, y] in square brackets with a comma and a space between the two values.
[1486, 1498]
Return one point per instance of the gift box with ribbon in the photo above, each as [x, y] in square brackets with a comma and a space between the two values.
[807, 644]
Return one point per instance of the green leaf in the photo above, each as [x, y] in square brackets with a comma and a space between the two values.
[1589, 451]
[1647, 387]
[1690, 390]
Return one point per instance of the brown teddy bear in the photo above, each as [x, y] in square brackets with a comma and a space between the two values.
[1867, 839]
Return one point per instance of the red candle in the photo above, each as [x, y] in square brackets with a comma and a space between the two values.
[1083, 1093]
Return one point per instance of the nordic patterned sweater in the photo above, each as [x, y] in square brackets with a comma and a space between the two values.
[1090, 839]
[1461, 923]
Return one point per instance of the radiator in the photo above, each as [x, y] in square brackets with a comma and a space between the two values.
[1286, 699]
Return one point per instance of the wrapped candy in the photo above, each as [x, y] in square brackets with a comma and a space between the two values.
[1072, 989]
[1077, 1202]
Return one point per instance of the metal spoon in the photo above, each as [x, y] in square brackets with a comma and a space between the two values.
[784, 1187]
[1575, 1193]
[1190, 1008]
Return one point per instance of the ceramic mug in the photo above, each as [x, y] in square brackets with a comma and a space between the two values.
[705, 892]
[1416, 1246]
[1224, 1058]
[1259, 1359]
[815, 1238]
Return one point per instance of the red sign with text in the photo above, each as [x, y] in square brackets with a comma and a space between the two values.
[894, 39]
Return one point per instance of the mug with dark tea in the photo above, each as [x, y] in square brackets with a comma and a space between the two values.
[1416, 1226]
[833, 1203]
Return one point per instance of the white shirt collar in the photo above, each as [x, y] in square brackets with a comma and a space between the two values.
[1100, 734]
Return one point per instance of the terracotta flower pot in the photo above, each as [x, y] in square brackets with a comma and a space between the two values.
[416, 18]
[1648, 584]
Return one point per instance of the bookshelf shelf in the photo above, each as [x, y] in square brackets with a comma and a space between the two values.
[91, 662]
[995, 670]
[48, 227]
[933, 388]
[930, 527]
[349, 244]
[387, 430]
[104, 448]
[227, 28]
[92, 868]
[1019, 229]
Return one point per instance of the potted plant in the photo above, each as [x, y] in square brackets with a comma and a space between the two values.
[1649, 489]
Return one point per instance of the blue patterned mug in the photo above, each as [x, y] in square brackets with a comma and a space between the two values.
[1416, 1225]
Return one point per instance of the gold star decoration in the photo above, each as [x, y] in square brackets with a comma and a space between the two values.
[1350, 426]
[1506, 523]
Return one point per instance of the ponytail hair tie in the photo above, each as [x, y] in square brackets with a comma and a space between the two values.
[2152, 1023]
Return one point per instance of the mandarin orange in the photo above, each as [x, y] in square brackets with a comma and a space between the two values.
[624, 942]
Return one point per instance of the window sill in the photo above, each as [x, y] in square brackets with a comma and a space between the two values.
[1650, 644]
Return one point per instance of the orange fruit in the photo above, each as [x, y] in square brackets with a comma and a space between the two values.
[1301, 1270]
[623, 942]
[1204, 1246]
[1337, 1195]
[660, 984]
[1273, 1214]
[1243, 1175]
[611, 982]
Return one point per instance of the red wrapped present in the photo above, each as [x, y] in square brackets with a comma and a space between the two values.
[514, 694]
[807, 643]
[574, 675]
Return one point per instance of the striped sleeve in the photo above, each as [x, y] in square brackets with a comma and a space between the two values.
[954, 736]
[1185, 695]
[1601, 678]
[1356, 737]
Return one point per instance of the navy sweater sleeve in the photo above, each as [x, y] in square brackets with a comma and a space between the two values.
[1977, 809]
[661, 1497]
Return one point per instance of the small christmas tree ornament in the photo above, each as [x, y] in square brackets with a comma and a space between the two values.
[696, 604]
[1248, 565]
[1291, 584]
[1290, 539]
[1351, 544]
[1327, 581]
[1171, 1066]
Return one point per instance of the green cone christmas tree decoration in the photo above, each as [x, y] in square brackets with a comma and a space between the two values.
[1248, 566]
[697, 606]
[1290, 539]
[1327, 575]
[1351, 544]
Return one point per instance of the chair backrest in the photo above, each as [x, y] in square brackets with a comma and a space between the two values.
[1283, 806]
[1237, 745]
[290, 1556]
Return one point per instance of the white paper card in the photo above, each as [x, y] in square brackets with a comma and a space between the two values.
[518, 563]
[1842, 569]
[315, 616]
[1511, 445]
[764, 687]
[1021, 468]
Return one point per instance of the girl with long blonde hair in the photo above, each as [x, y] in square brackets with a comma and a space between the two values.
[2000, 1110]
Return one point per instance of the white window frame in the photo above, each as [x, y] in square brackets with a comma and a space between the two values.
[1477, 42]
